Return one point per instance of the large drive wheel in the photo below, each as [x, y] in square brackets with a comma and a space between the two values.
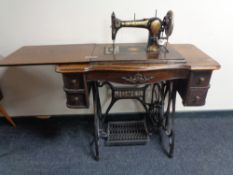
[161, 112]
[167, 134]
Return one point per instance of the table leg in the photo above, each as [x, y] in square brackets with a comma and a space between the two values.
[97, 115]
[161, 113]
[6, 115]
[167, 112]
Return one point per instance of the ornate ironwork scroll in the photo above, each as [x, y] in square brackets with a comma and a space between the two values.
[159, 111]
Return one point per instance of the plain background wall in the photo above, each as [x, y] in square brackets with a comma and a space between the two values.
[38, 90]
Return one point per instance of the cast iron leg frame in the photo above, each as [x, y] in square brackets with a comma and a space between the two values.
[119, 93]
[97, 116]
[160, 110]
[161, 113]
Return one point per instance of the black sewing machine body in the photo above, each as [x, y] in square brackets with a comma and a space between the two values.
[154, 25]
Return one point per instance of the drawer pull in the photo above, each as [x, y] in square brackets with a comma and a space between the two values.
[196, 98]
[201, 80]
[76, 99]
[74, 81]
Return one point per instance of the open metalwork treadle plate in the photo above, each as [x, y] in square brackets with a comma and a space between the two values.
[127, 133]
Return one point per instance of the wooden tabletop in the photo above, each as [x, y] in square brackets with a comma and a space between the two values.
[50, 54]
[86, 57]
[195, 59]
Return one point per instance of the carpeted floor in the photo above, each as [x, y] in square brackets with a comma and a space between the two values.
[60, 146]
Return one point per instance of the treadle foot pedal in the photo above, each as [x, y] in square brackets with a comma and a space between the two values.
[127, 133]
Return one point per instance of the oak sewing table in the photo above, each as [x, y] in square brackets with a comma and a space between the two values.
[181, 68]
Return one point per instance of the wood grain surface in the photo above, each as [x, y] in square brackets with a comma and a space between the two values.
[47, 55]
[195, 59]
[89, 57]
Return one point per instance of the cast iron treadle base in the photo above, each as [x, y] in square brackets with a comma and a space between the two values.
[127, 133]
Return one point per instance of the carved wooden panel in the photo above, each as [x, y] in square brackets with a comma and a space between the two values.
[137, 78]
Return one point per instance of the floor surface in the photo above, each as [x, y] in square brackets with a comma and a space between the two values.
[60, 146]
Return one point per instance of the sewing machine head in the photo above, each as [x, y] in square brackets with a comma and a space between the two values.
[159, 30]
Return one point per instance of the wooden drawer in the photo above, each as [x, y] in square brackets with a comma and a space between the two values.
[76, 89]
[73, 81]
[77, 100]
[196, 96]
[200, 79]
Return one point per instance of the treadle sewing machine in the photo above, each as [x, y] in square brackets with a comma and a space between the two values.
[155, 26]
[156, 67]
